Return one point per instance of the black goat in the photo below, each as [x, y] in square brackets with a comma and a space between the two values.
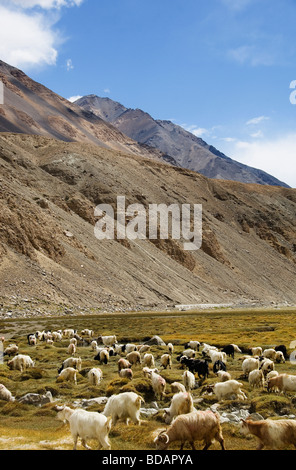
[229, 350]
[199, 366]
[219, 365]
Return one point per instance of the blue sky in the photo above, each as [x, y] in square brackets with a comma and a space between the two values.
[220, 68]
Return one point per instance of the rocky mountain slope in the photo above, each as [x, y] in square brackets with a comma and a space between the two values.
[48, 251]
[31, 108]
[186, 149]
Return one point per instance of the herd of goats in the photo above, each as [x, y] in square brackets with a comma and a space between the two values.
[184, 423]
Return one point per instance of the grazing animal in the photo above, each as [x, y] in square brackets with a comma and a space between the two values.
[95, 376]
[177, 387]
[256, 378]
[126, 373]
[166, 361]
[266, 366]
[199, 366]
[32, 340]
[188, 380]
[219, 365]
[69, 374]
[283, 382]
[5, 394]
[256, 351]
[71, 349]
[123, 364]
[69, 333]
[158, 385]
[102, 356]
[229, 350]
[195, 426]
[148, 372]
[170, 347]
[74, 362]
[21, 362]
[10, 350]
[223, 376]
[182, 403]
[148, 360]
[193, 345]
[124, 406]
[273, 434]
[134, 357]
[283, 349]
[87, 425]
[107, 340]
[225, 390]
[129, 347]
[250, 364]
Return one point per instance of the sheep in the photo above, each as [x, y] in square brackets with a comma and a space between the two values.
[69, 374]
[10, 350]
[147, 372]
[107, 340]
[87, 332]
[207, 348]
[188, 380]
[158, 385]
[166, 361]
[170, 347]
[95, 376]
[266, 366]
[269, 353]
[225, 390]
[195, 426]
[189, 353]
[124, 406]
[93, 345]
[57, 336]
[256, 378]
[74, 362]
[230, 349]
[134, 357]
[129, 347]
[182, 403]
[271, 374]
[73, 341]
[223, 375]
[193, 345]
[256, 351]
[177, 387]
[143, 348]
[283, 382]
[217, 356]
[283, 349]
[126, 373]
[102, 356]
[71, 349]
[249, 364]
[21, 362]
[123, 364]
[119, 348]
[148, 360]
[279, 357]
[87, 425]
[69, 332]
[274, 434]
[32, 340]
[5, 394]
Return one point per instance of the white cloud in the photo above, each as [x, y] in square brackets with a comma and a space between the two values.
[257, 120]
[275, 156]
[237, 5]
[74, 98]
[195, 130]
[28, 37]
[69, 65]
[45, 4]
[107, 90]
